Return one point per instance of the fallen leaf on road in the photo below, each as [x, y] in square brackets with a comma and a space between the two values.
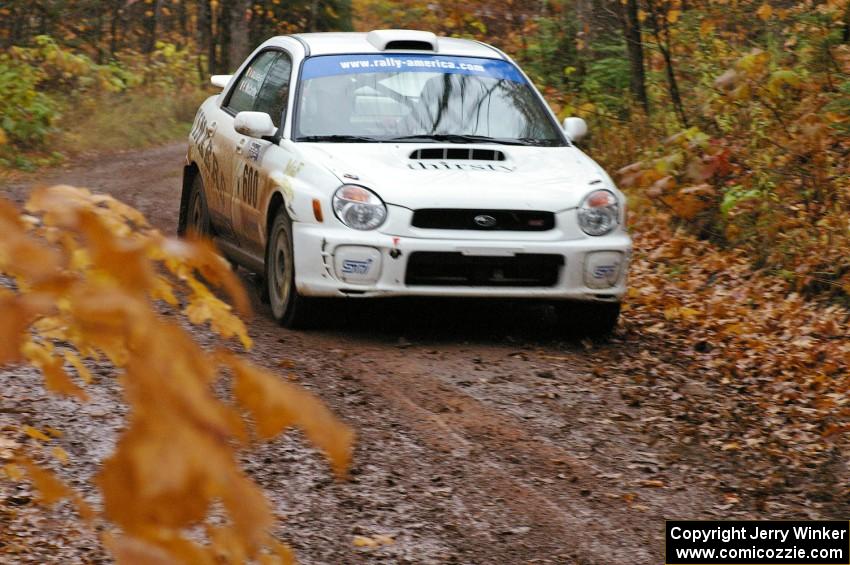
[35, 434]
[60, 454]
[363, 541]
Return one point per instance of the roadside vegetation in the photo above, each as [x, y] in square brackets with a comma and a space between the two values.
[58, 103]
[728, 125]
[79, 76]
[730, 119]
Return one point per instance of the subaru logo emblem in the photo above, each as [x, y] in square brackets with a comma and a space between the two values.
[484, 221]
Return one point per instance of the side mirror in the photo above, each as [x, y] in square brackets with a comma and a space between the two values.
[220, 80]
[575, 128]
[254, 124]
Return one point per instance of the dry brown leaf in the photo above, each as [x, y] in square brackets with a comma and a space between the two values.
[50, 488]
[60, 454]
[364, 541]
[18, 313]
[55, 377]
[88, 292]
[35, 434]
[276, 404]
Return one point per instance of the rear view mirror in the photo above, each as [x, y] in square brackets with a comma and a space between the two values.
[575, 128]
[254, 124]
[220, 80]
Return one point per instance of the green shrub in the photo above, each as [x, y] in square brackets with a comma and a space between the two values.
[606, 81]
[27, 114]
[51, 95]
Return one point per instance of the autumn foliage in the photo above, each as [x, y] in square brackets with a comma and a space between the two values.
[737, 168]
[85, 277]
[767, 369]
[726, 122]
[765, 168]
[742, 132]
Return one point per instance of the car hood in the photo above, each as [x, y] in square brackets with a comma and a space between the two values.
[533, 178]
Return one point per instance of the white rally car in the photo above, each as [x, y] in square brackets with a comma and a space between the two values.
[399, 163]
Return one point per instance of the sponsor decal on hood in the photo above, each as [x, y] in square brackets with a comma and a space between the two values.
[532, 178]
[455, 166]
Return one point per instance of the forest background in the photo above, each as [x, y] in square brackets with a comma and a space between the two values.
[727, 123]
[730, 117]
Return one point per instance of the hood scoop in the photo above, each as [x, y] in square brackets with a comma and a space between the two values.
[457, 154]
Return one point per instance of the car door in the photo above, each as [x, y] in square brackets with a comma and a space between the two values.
[251, 177]
[209, 142]
[241, 98]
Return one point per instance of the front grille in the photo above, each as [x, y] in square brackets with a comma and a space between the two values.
[427, 268]
[488, 220]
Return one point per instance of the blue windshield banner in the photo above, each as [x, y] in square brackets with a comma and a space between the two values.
[332, 65]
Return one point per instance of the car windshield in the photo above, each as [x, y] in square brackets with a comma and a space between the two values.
[419, 98]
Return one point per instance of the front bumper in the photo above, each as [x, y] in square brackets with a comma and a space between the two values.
[332, 262]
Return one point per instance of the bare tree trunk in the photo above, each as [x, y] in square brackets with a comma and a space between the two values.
[153, 27]
[583, 10]
[42, 24]
[634, 48]
[674, 86]
[113, 26]
[239, 44]
[662, 40]
[257, 26]
[10, 24]
[206, 28]
[99, 37]
[224, 35]
[183, 22]
[314, 12]
[19, 31]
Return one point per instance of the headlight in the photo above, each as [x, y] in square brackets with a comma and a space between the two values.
[359, 207]
[599, 213]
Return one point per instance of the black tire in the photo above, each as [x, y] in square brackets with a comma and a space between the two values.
[259, 280]
[289, 308]
[588, 319]
[198, 215]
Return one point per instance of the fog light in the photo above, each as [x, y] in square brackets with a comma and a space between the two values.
[356, 264]
[602, 269]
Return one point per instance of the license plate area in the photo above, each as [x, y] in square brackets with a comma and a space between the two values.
[427, 268]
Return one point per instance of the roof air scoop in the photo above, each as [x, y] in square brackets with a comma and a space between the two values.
[390, 39]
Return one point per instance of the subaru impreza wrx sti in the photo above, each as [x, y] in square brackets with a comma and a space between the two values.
[399, 163]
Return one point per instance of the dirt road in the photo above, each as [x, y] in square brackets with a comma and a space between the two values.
[483, 437]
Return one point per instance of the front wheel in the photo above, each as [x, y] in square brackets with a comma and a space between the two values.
[198, 220]
[289, 308]
[588, 319]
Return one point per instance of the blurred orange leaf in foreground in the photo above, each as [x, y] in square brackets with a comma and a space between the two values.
[85, 277]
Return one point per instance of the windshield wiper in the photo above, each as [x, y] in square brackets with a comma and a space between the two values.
[340, 138]
[542, 142]
[462, 138]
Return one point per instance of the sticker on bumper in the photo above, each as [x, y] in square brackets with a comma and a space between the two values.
[605, 271]
[351, 267]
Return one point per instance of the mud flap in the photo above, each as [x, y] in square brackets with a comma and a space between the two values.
[189, 172]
